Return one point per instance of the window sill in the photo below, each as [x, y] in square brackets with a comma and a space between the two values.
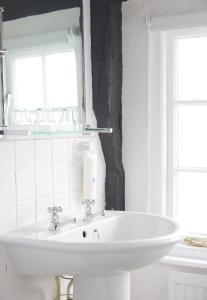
[187, 256]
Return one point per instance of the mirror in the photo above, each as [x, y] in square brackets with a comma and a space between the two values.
[44, 86]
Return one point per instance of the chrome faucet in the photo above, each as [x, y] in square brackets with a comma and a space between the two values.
[54, 224]
[88, 209]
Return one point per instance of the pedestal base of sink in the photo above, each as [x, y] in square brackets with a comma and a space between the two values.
[116, 287]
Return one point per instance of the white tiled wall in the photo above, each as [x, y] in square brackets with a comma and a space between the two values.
[35, 174]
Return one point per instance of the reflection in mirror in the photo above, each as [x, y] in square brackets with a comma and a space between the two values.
[44, 71]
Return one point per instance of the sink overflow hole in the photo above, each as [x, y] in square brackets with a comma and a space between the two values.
[84, 234]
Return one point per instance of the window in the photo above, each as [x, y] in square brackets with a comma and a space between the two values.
[189, 96]
[183, 124]
[52, 80]
[45, 70]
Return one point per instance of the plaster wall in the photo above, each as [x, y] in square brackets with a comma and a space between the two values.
[150, 283]
[135, 90]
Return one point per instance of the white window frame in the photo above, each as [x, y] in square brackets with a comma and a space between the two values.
[161, 126]
[161, 123]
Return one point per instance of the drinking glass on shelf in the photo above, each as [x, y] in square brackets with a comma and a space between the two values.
[69, 120]
[14, 117]
[20, 117]
[44, 121]
[56, 114]
[32, 116]
[65, 122]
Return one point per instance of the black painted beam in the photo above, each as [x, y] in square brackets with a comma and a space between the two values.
[106, 42]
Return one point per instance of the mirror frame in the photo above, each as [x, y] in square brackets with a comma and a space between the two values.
[25, 8]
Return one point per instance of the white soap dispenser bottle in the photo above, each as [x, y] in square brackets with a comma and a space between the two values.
[90, 160]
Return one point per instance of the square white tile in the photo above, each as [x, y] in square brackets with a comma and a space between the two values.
[25, 212]
[7, 156]
[76, 177]
[24, 155]
[44, 183]
[70, 151]
[63, 200]
[61, 180]
[7, 217]
[7, 187]
[77, 150]
[25, 185]
[60, 152]
[42, 207]
[75, 202]
[43, 154]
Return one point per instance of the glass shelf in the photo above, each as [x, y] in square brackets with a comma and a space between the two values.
[62, 132]
[26, 132]
[22, 131]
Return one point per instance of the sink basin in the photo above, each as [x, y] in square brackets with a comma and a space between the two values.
[109, 246]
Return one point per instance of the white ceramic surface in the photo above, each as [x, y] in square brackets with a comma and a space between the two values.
[109, 245]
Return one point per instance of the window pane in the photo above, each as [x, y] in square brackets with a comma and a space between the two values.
[28, 88]
[192, 136]
[61, 80]
[192, 201]
[192, 68]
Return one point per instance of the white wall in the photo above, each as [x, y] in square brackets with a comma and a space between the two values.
[149, 283]
[135, 91]
[35, 174]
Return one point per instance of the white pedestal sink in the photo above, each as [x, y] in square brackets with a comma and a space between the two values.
[99, 254]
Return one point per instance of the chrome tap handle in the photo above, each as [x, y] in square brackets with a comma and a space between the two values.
[55, 209]
[54, 223]
[88, 202]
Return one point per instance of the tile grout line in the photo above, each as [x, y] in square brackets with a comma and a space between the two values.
[68, 164]
[53, 175]
[35, 179]
[15, 179]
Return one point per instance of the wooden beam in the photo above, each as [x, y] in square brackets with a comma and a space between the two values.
[106, 39]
